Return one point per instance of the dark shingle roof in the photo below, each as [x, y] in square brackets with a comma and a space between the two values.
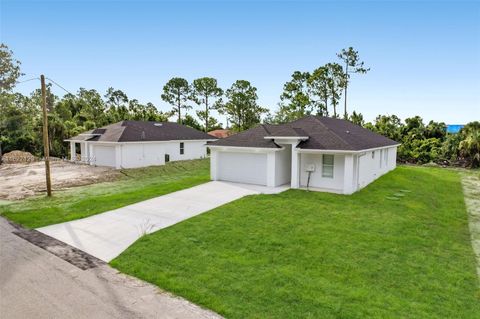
[142, 131]
[249, 138]
[323, 133]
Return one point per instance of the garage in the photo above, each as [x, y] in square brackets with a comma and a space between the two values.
[249, 168]
[104, 155]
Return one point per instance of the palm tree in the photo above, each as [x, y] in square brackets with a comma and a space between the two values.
[357, 118]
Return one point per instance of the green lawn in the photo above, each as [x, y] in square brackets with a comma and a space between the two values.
[137, 185]
[398, 249]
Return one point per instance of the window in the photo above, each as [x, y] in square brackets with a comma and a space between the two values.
[327, 166]
[182, 148]
[167, 158]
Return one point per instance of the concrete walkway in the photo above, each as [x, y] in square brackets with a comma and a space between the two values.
[34, 283]
[107, 235]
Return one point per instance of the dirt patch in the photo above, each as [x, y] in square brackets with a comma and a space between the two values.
[471, 190]
[18, 181]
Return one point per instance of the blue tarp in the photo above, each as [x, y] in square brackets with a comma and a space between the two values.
[454, 128]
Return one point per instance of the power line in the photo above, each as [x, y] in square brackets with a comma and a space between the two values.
[19, 82]
[59, 85]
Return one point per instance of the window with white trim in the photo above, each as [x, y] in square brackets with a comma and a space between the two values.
[182, 148]
[327, 165]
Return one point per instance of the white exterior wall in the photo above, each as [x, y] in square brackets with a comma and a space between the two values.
[132, 155]
[369, 168]
[141, 155]
[349, 176]
[193, 150]
[283, 166]
[392, 158]
[335, 184]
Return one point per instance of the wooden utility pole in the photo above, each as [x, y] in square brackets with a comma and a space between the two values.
[46, 151]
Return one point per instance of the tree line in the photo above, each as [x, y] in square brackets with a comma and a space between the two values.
[426, 143]
[239, 103]
[318, 92]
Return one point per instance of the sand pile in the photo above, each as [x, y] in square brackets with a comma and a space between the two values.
[15, 157]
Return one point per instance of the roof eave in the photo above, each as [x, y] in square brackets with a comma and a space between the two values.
[329, 151]
[245, 148]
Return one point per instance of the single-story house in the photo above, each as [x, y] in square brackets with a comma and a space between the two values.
[129, 144]
[319, 153]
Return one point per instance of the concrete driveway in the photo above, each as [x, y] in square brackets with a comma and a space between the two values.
[107, 235]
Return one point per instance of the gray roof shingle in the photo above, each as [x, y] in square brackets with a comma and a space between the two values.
[323, 133]
[249, 138]
[143, 131]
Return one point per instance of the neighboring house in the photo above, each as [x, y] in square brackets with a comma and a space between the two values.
[320, 153]
[221, 133]
[129, 144]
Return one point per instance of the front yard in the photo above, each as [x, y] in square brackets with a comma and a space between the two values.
[136, 185]
[398, 249]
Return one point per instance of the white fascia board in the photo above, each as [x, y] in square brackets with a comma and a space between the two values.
[142, 142]
[301, 150]
[77, 141]
[244, 149]
[310, 151]
[378, 148]
[155, 142]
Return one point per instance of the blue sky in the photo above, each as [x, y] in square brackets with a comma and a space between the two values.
[424, 56]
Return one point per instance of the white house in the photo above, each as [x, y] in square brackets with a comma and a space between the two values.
[129, 144]
[319, 153]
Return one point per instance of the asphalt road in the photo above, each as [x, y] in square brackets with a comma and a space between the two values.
[37, 284]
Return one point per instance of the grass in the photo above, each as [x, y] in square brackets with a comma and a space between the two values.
[305, 254]
[137, 185]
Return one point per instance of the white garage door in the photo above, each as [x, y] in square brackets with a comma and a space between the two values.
[247, 168]
[104, 155]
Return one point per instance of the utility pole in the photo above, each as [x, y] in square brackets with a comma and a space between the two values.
[46, 151]
[345, 115]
